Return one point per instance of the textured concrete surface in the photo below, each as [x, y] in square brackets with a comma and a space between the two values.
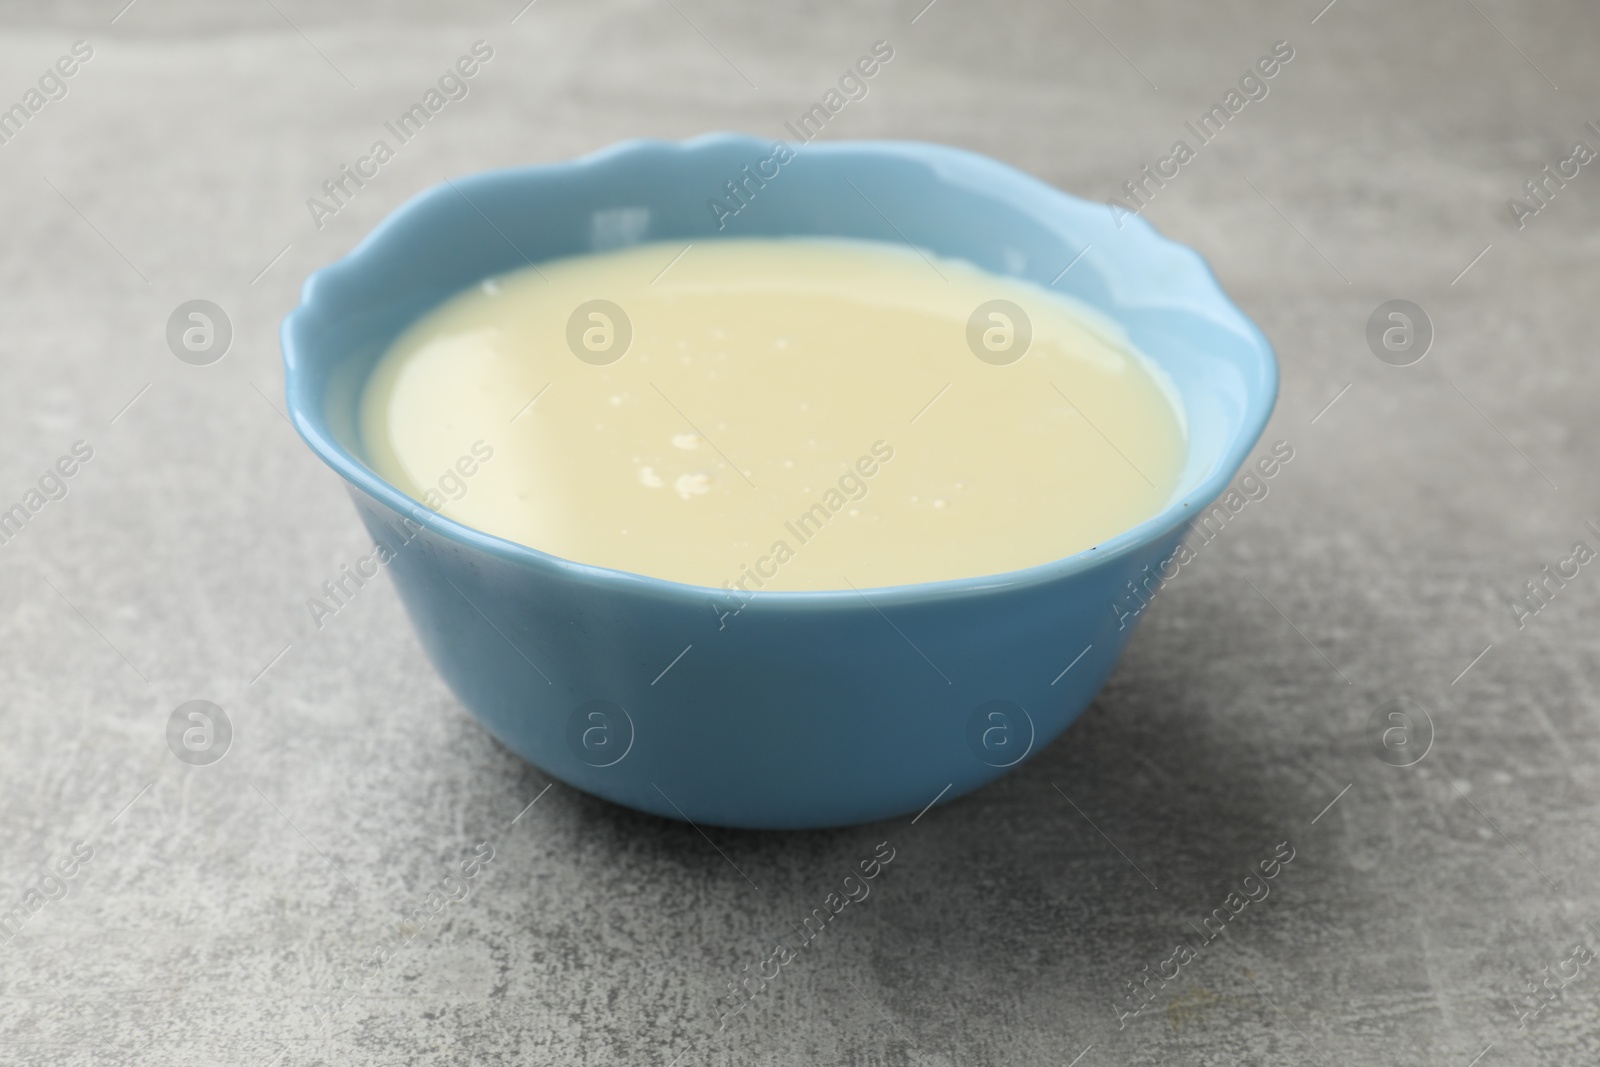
[221, 906]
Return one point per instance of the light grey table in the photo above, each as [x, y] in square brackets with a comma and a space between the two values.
[220, 903]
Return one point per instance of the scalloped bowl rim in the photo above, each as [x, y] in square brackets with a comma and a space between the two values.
[307, 414]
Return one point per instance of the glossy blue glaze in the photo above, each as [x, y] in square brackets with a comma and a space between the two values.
[805, 709]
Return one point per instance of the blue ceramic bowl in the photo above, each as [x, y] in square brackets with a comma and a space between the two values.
[807, 709]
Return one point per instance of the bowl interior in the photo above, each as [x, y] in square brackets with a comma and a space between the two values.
[946, 201]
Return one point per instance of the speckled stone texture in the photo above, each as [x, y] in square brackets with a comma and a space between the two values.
[223, 905]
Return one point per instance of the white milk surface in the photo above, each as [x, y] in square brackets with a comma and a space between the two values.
[777, 414]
